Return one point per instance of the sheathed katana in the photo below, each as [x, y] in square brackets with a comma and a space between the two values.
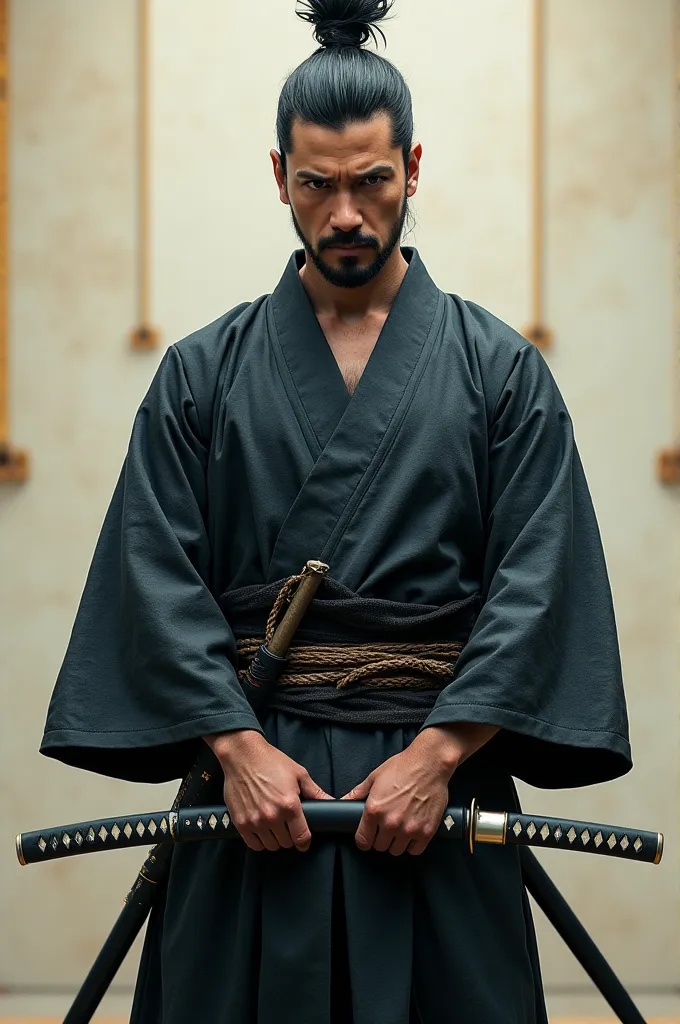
[469, 825]
[188, 821]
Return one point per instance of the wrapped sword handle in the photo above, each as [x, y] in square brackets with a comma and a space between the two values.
[513, 829]
[472, 825]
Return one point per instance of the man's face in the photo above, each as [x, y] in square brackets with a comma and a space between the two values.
[348, 192]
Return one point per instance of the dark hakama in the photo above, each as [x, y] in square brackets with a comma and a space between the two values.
[450, 473]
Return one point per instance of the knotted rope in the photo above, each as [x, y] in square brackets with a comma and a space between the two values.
[415, 666]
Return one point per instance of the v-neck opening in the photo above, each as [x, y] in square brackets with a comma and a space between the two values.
[323, 395]
[351, 435]
[299, 263]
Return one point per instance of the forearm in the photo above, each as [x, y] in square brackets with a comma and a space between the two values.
[227, 746]
[453, 743]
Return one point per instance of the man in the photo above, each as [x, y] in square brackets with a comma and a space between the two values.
[360, 416]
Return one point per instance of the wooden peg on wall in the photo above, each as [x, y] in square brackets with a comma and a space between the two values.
[537, 331]
[668, 466]
[668, 459]
[144, 336]
[13, 462]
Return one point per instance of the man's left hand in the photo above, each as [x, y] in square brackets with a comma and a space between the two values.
[407, 795]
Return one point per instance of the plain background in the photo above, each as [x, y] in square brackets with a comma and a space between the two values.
[220, 236]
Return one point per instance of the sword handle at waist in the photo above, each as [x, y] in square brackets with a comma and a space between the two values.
[338, 816]
[514, 829]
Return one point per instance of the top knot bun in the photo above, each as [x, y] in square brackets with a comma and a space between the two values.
[345, 22]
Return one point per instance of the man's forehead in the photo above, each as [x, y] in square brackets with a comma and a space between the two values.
[359, 145]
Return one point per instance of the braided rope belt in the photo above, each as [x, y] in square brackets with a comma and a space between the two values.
[385, 665]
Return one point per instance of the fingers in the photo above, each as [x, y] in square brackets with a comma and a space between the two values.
[298, 829]
[310, 790]
[416, 847]
[366, 833]
[361, 791]
[250, 839]
[276, 827]
[387, 834]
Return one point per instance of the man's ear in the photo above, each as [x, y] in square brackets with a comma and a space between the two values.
[280, 176]
[413, 170]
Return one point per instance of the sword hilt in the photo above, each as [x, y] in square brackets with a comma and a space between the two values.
[513, 829]
[270, 659]
[336, 816]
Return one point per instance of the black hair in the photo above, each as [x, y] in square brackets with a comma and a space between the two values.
[342, 82]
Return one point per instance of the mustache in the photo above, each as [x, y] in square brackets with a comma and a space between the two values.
[347, 238]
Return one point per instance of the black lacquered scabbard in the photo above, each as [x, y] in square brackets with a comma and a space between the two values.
[473, 826]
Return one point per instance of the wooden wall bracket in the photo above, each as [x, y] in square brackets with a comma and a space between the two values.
[537, 332]
[14, 465]
[668, 459]
[14, 462]
[144, 337]
[668, 466]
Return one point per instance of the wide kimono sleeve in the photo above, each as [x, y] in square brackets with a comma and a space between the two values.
[150, 667]
[542, 661]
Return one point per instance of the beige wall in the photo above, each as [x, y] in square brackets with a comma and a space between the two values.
[220, 236]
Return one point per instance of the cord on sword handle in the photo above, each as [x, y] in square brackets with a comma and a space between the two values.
[472, 825]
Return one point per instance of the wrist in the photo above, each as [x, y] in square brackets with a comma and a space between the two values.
[452, 743]
[230, 746]
[439, 745]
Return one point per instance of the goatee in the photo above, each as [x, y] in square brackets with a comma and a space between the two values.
[349, 274]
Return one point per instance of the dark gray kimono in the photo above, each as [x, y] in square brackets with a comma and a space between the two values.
[450, 473]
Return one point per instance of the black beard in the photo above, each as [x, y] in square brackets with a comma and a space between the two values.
[349, 274]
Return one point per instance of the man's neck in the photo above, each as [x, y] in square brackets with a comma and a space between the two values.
[352, 304]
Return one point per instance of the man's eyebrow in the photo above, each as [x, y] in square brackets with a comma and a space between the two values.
[313, 175]
[370, 173]
[378, 169]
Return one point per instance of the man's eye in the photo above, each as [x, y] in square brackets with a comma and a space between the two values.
[374, 179]
[313, 185]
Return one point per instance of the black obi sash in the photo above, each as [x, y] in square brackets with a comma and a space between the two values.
[338, 615]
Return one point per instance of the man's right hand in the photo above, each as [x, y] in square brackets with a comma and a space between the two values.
[262, 789]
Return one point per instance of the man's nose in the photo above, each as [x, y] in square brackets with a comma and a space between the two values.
[345, 216]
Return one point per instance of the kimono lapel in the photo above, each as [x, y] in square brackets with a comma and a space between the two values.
[348, 437]
[310, 373]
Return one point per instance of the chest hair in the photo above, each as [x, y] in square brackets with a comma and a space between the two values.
[352, 346]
